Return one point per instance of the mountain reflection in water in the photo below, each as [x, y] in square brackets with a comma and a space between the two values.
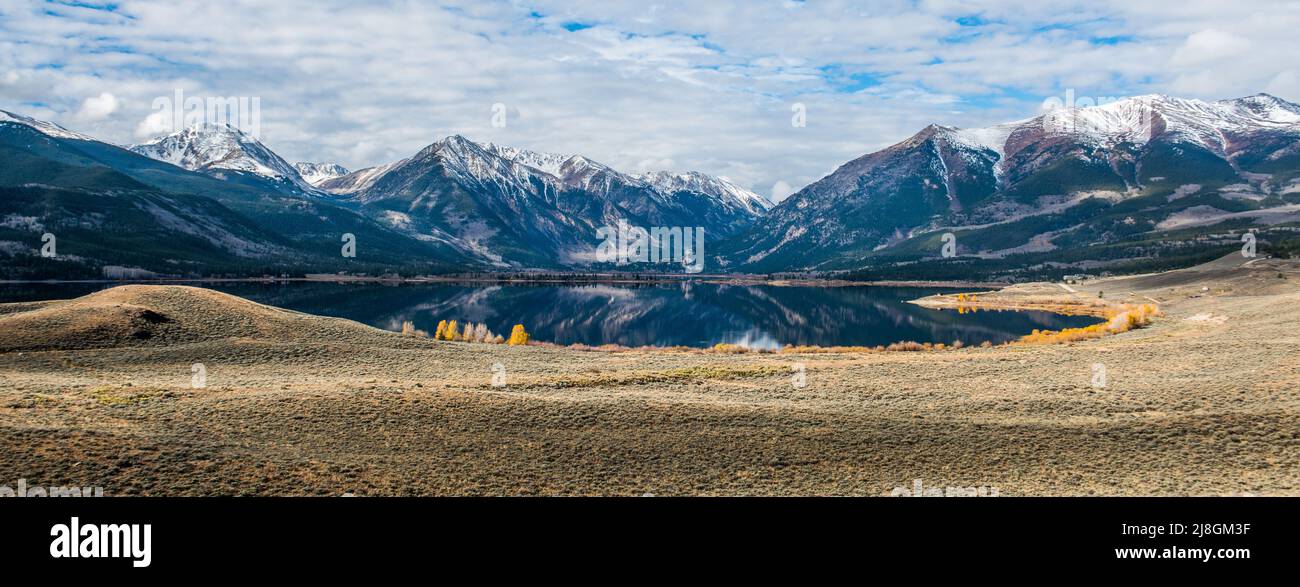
[689, 314]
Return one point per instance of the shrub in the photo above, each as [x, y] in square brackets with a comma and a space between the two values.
[1129, 318]
[723, 347]
[518, 335]
[805, 349]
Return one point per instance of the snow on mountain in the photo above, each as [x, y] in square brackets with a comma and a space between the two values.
[1266, 107]
[480, 165]
[518, 171]
[548, 162]
[593, 176]
[315, 173]
[583, 173]
[1139, 118]
[357, 181]
[1064, 180]
[515, 206]
[207, 147]
[993, 138]
[475, 167]
[718, 187]
[573, 170]
[984, 178]
[46, 128]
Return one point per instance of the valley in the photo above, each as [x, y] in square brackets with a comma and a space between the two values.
[1201, 402]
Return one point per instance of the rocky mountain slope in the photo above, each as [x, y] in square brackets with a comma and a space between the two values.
[513, 207]
[1106, 180]
[315, 173]
[108, 206]
[220, 149]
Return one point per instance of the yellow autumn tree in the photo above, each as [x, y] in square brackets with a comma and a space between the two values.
[450, 332]
[441, 331]
[518, 335]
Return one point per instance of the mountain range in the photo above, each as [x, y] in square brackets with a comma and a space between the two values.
[1150, 179]
[212, 200]
[508, 207]
[1086, 188]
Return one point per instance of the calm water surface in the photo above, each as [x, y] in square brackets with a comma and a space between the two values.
[690, 314]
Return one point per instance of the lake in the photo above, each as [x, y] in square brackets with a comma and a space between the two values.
[666, 314]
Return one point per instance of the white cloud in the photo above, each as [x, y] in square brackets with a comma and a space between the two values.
[681, 83]
[157, 123]
[1286, 83]
[781, 190]
[1210, 45]
[97, 107]
[654, 165]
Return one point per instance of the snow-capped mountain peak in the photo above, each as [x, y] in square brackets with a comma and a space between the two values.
[1134, 120]
[482, 165]
[548, 162]
[359, 180]
[500, 204]
[46, 128]
[573, 170]
[985, 179]
[504, 166]
[1137, 118]
[993, 138]
[207, 147]
[317, 173]
[579, 171]
[693, 181]
[1267, 107]
[583, 173]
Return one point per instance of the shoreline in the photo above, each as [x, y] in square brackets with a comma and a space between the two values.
[941, 301]
[343, 279]
[1063, 306]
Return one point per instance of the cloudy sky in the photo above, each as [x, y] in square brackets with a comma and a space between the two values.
[705, 85]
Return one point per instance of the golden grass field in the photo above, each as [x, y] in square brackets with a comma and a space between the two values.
[1203, 401]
